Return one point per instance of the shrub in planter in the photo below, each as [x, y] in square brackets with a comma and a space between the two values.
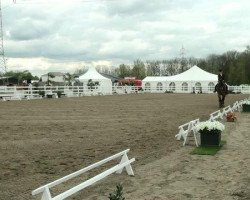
[246, 107]
[210, 132]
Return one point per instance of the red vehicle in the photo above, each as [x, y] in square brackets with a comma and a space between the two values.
[131, 81]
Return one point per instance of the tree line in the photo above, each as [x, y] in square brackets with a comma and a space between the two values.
[236, 66]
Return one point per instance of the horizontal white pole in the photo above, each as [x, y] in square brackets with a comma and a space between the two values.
[181, 126]
[92, 180]
[196, 120]
[77, 173]
[216, 112]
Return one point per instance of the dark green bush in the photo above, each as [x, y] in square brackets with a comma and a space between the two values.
[59, 94]
[41, 93]
[169, 91]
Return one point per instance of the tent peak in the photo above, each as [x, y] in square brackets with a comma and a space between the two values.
[92, 73]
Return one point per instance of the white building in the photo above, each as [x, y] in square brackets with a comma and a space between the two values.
[58, 77]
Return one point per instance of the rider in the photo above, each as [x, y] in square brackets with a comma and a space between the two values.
[221, 76]
[221, 79]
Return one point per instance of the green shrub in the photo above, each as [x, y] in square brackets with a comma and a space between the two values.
[169, 91]
[118, 194]
[41, 93]
[59, 94]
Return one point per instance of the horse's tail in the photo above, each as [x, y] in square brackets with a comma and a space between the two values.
[224, 89]
[216, 87]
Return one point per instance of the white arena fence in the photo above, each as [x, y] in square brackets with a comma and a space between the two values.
[31, 92]
[124, 163]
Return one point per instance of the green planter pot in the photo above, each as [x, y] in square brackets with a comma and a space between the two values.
[210, 138]
[246, 107]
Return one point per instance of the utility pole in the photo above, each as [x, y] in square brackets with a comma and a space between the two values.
[183, 64]
[3, 67]
[182, 52]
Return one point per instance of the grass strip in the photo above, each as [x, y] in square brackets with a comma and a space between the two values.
[209, 150]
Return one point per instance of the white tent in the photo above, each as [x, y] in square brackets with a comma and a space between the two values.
[105, 84]
[194, 79]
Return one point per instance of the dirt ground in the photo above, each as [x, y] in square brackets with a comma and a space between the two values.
[42, 140]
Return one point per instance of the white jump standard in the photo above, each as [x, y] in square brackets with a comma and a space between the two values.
[186, 129]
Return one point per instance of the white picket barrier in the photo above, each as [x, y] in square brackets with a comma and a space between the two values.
[124, 163]
[247, 101]
[241, 102]
[236, 106]
[215, 115]
[244, 101]
[226, 110]
[186, 129]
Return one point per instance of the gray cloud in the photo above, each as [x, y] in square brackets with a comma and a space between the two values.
[122, 31]
[31, 30]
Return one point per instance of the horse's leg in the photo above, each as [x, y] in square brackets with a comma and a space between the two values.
[221, 104]
[219, 97]
[223, 99]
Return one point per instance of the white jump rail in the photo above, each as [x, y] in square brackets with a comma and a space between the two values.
[186, 129]
[226, 110]
[124, 163]
[216, 115]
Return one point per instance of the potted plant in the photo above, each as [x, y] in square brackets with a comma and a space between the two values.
[246, 107]
[210, 132]
[231, 117]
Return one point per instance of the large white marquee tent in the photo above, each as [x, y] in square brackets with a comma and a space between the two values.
[105, 84]
[194, 79]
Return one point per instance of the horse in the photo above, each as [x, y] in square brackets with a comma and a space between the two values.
[222, 91]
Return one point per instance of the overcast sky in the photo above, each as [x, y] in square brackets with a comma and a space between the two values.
[62, 35]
